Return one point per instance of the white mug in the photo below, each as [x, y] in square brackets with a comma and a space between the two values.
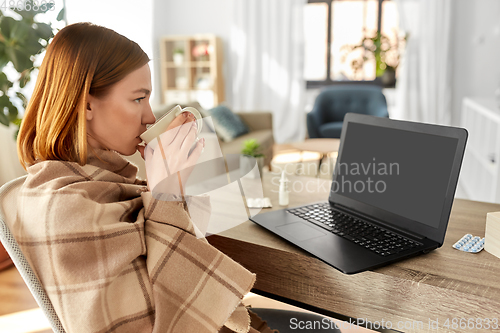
[162, 123]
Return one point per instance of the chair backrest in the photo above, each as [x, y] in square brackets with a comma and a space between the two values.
[8, 213]
[334, 102]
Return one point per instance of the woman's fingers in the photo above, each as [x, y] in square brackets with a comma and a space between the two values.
[173, 149]
[175, 126]
[183, 130]
[189, 139]
[181, 119]
[195, 154]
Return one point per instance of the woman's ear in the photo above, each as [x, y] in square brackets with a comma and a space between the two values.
[88, 110]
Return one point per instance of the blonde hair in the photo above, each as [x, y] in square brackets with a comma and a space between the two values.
[82, 59]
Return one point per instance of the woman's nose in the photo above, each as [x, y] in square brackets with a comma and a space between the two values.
[148, 116]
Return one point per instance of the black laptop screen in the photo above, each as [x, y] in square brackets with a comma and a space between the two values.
[403, 172]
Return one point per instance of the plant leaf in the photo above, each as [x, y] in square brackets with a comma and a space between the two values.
[3, 118]
[17, 122]
[13, 112]
[27, 15]
[5, 83]
[19, 31]
[4, 60]
[6, 26]
[31, 45]
[20, 60]
[22, 98]
[4, 104]
[44, 31]
[60, 16]
[251, 147]
[24, 79]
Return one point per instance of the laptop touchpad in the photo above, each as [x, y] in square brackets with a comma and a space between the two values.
[300, 231]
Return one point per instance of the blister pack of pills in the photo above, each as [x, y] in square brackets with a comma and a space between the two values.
[259, 203]
[469, 243]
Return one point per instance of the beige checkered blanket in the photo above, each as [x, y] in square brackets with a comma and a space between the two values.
[114, 259]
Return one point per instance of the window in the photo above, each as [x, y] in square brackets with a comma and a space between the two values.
[341, 38]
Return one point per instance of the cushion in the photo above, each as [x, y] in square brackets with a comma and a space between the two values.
[228, 125]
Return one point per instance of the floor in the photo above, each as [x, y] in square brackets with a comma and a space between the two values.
[19, 312]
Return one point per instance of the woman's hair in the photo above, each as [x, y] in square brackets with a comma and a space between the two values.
[82, 58]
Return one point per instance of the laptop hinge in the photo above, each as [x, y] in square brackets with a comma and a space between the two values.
[366, 217]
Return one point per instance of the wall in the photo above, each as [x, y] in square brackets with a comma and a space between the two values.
[189, 17]
[476, 45]
[126, 17]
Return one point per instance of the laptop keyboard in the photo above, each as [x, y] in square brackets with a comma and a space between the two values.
[372, 237]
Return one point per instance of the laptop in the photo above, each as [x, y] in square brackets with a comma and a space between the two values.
[391, 196]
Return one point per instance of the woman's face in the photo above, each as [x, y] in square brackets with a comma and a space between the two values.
[116, 120]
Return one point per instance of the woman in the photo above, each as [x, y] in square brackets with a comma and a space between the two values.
[111, 257]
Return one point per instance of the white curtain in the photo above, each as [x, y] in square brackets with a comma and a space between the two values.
[424, 87]
[266, 61]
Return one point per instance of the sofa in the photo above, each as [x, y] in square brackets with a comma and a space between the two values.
[261, 129]
[260, 124]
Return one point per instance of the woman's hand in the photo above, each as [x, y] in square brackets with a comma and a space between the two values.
[169, 161]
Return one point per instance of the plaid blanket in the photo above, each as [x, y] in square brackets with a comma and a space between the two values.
[114, 259]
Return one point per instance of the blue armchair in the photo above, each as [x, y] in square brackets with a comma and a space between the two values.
[326, 118]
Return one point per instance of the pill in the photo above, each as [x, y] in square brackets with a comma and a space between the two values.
[469, 243]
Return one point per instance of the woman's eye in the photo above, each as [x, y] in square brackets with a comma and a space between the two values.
[138, 100]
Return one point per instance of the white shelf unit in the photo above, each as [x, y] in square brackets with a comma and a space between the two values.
[188, 75]
[480, 175]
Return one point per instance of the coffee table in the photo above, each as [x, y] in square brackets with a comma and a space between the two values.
[323, 146]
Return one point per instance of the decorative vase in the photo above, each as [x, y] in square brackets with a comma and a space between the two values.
[178, 59]
[389, 78]
[247, 166]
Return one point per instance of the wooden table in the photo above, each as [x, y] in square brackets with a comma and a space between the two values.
[323, 146]
[440, 288]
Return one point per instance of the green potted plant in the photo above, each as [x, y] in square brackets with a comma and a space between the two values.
[178, 56]
[380, 48]
[21, 39]
[250, 154]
